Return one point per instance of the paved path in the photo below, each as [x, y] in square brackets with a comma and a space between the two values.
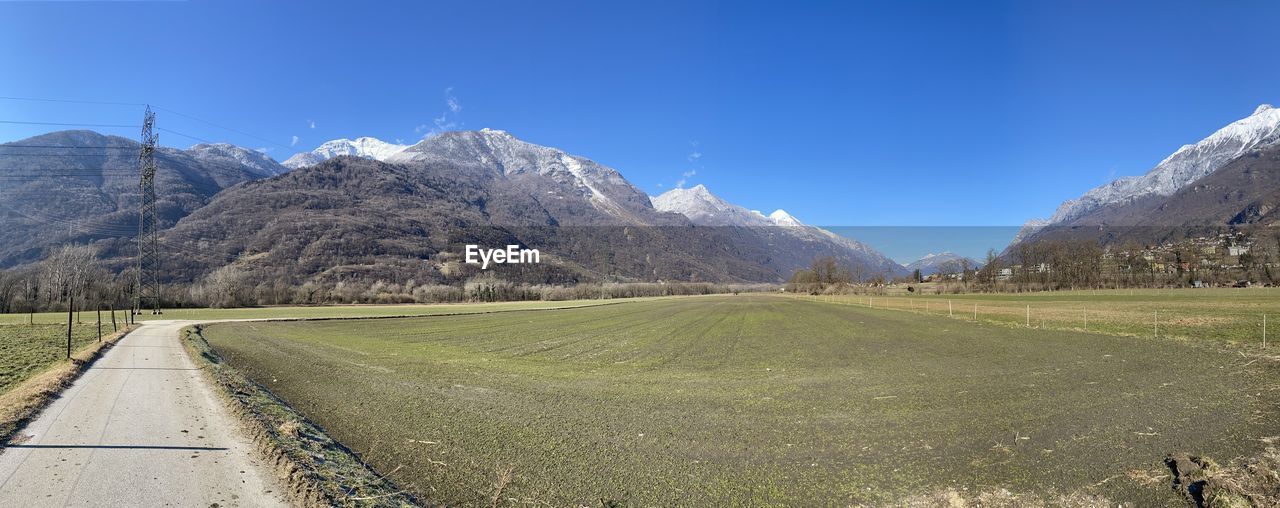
[139, 428]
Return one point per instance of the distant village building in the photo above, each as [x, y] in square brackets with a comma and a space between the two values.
[1237, 250]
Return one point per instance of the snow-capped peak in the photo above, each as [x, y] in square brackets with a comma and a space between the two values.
[366, 147]
[510, 156]
[706, 209]
[1183, 167]
[253, 160]
[780, 217]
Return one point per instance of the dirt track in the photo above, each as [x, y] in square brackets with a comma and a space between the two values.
[141, 427]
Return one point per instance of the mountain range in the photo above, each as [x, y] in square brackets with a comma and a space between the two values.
[82, 187]
[378, 211]
[368, 209]
[1225, 179]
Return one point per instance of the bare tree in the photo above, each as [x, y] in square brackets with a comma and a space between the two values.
[67, 274]
[226, 287]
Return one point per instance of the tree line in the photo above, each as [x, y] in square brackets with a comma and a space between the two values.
[1079, 263]
[72, 278]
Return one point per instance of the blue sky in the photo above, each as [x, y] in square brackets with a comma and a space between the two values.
[844, 113]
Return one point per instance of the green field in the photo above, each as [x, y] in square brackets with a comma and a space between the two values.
[312, 312]
[759, 399]
[27, 350]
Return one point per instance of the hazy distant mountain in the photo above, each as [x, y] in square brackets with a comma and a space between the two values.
[780, 228]
[946, 261]
[1184, 167]
[365, 147]
[81, 186]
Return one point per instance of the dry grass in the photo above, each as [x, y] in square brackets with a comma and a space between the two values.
[1251, 482]
[1001, 498]
[25, 401]
[505, 475]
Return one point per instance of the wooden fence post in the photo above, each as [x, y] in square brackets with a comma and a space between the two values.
[71, 305]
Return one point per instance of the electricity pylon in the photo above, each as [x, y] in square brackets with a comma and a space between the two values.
[147, 291]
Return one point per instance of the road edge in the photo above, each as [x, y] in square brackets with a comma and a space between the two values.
[315, 469]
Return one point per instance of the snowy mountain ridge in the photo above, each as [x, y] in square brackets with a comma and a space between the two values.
[603, 186]
[1186, 165]
[704, 208]
[366, 147]
[253, 160]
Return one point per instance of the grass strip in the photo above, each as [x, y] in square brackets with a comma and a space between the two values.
[21, 404]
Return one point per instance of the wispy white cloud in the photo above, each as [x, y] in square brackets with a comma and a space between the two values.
[262, 150]
[311, 123]
[694, 154]
[694, 157]
[294, 142]
[454, 106]
[448, 119]
[684, 178]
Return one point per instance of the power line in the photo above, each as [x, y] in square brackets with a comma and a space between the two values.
[121, 147]
[60, 155]
[179, 113]
[63, 124]
[71, 124]
[240, 132]
[70, 101]
[171, 131]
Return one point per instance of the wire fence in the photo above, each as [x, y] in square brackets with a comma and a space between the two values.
[1233, 320]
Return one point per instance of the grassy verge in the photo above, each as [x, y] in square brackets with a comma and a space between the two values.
[757, 400]
[31, 387]
[316, 470]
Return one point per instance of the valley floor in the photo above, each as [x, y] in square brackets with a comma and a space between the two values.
[757, 399]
